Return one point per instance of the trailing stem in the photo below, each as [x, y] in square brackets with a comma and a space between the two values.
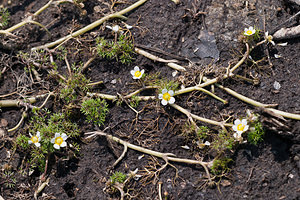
[92, 26]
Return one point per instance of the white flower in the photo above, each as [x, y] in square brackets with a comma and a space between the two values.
[249, 31]
[59, 140]
[115, 28]
[239, 127]
[269, 38]
[166, 97]
[137, 73]
[35, 139]
[207, 143]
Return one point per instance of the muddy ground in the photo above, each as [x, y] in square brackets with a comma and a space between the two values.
[269, 170]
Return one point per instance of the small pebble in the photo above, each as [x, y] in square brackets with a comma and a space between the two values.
[276, 85]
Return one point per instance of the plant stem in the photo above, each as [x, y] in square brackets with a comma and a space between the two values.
[189, 114]
[92, 25]
[215, 80]
[258, 104]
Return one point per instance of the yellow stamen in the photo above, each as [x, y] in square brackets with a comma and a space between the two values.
[137, 74]
[59, 141]
[34, 139]
[166, 96]
[240, 127]
[249, 32]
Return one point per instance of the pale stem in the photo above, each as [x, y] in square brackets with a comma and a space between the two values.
[258, 104]
[168, 156]
[189, 114]
[91, 26]
[215, 80]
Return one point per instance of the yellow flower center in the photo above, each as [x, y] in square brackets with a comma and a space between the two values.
[137, 74]
[240, 127]
[59, 141]
[166, 96]
[34, 139]
[249, 32]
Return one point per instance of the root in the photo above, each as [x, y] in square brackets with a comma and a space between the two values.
[166, 156]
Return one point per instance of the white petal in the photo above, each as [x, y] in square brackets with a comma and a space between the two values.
[207, 143]
[30, 135]
[29, 142]
[64, 136]
[172, 100]
[164, 102]
[245, 30]
[246, 128]
[142, 72]
[244, 122]
[38, 134]
[171, 92]
[160, 96]
[115, 28]
[132, 72]
[63, 144]
[235, 135]
[251, 28]
[109, 27]
[53, 140]
[136, 68]
[266, 33]
[237, 122]
[57, 135]
[164, 91]
[273, 43]
[134, 77]
[234, 128]
[56, 146]
[37, 144]
[239, 133]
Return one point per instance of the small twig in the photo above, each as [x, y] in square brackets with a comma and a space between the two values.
[284, 23]
[40, 188]
[24, 115]
[85, 66]
[215, 80]
[170, 63]
[169, 156]
[121, 156]
[16, 103]
[95, 83]
[159, 190]
[189, 114]
[92, 25]
[258, 104]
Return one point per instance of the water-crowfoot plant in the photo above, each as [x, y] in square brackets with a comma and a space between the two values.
[35, 139]
[121, 49]
[4, 17]
[239, 127]
[256, 133]
[166, 97]
[44, 127]
[95, 110]
[137, 73]
[249, 31]
[59, 140]
[75, 86]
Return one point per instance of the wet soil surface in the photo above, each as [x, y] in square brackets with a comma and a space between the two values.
[202, 32]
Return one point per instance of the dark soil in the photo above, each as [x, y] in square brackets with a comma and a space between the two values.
[269, 170]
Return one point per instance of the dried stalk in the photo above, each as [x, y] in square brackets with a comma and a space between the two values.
[91, 26]
[258, 104]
